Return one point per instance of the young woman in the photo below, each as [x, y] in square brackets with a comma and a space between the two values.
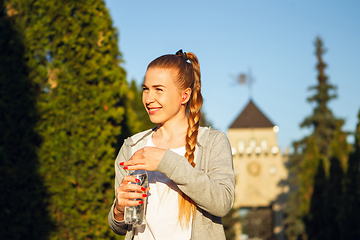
[190, 171]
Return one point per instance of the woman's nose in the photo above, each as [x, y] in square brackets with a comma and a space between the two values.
[149, 98]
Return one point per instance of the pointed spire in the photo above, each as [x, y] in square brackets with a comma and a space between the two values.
[252, 117]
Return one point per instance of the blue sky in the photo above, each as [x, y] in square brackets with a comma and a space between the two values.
[271, 38]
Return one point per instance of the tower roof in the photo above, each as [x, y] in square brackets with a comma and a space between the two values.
[252, 117]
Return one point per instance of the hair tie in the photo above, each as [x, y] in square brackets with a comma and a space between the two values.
[182, 54]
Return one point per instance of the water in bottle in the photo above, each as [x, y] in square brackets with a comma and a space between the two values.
[135, 214]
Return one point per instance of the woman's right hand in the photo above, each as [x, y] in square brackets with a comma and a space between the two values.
[125, 195]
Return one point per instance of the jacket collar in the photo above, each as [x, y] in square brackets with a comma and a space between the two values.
[134, 140]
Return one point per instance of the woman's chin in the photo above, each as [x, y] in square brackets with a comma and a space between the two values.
[154, 120]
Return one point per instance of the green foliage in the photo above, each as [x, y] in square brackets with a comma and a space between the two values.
[308, 166]
[72, 56]
[350, 215]
[317, 217]
[339, 146]
[322, 120]
[294, 225]
[295, 228]
[23, 195]
[326, 140]
[334, 197]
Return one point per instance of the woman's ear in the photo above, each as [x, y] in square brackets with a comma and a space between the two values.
[186, 95]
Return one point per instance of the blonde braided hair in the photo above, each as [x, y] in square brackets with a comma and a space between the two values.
[188, 76]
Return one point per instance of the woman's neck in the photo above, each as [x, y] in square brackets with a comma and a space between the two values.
[171, 134]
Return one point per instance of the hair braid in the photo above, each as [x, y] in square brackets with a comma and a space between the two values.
[193, 109]
[194, 106]
[188, 77]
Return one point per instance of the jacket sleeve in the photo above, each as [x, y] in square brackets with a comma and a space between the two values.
[213, 190]
[119, 227]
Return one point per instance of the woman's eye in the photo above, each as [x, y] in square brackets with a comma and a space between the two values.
[159, 89]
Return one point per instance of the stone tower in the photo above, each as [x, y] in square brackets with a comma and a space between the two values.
[260, 174]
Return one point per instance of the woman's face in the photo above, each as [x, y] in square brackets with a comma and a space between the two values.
[161, 97]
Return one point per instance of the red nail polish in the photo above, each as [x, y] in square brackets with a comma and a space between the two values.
[125, 168]
[141, 202]
[144, 195]
[122, 163]
[137, 180]
[142, 188]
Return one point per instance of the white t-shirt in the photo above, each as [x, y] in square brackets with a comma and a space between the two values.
[162, 210]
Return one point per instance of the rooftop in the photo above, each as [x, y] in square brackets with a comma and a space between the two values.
[252, 117]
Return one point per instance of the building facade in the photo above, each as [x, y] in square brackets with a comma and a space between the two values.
[261, 174]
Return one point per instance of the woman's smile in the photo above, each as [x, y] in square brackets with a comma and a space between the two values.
[162, 97]
[153, 110]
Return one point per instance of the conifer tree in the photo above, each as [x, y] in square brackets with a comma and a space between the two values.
[295, 227]
[309, 167]
[350, 217]
[303, 166]
[317, 217]
[23, 197]
[322, 120]
[326, 131]
[333, 201]
[73, 58]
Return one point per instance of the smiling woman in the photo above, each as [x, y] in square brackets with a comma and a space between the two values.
[190, 172]
[162, 98]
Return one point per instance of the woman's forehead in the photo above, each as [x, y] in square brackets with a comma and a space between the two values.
[160, 76]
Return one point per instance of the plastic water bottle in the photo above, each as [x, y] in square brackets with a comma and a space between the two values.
[135, 214]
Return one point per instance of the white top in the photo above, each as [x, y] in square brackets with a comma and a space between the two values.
[162, 210]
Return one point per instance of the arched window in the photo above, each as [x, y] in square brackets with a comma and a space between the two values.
[252, 143]
[263, 144]
[241, 146]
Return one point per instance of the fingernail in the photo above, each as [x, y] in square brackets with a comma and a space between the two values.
[125, 168]
[137, 180]
[142, 188]
[122, 163]
[141, 202]
[144, 195]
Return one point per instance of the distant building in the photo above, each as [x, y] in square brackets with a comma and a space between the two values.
[261, 174]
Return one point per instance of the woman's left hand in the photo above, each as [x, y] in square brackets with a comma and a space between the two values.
[147, 158]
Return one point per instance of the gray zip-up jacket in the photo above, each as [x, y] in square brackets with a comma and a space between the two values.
[211, 184]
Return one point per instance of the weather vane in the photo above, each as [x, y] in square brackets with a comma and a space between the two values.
[246, 79]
